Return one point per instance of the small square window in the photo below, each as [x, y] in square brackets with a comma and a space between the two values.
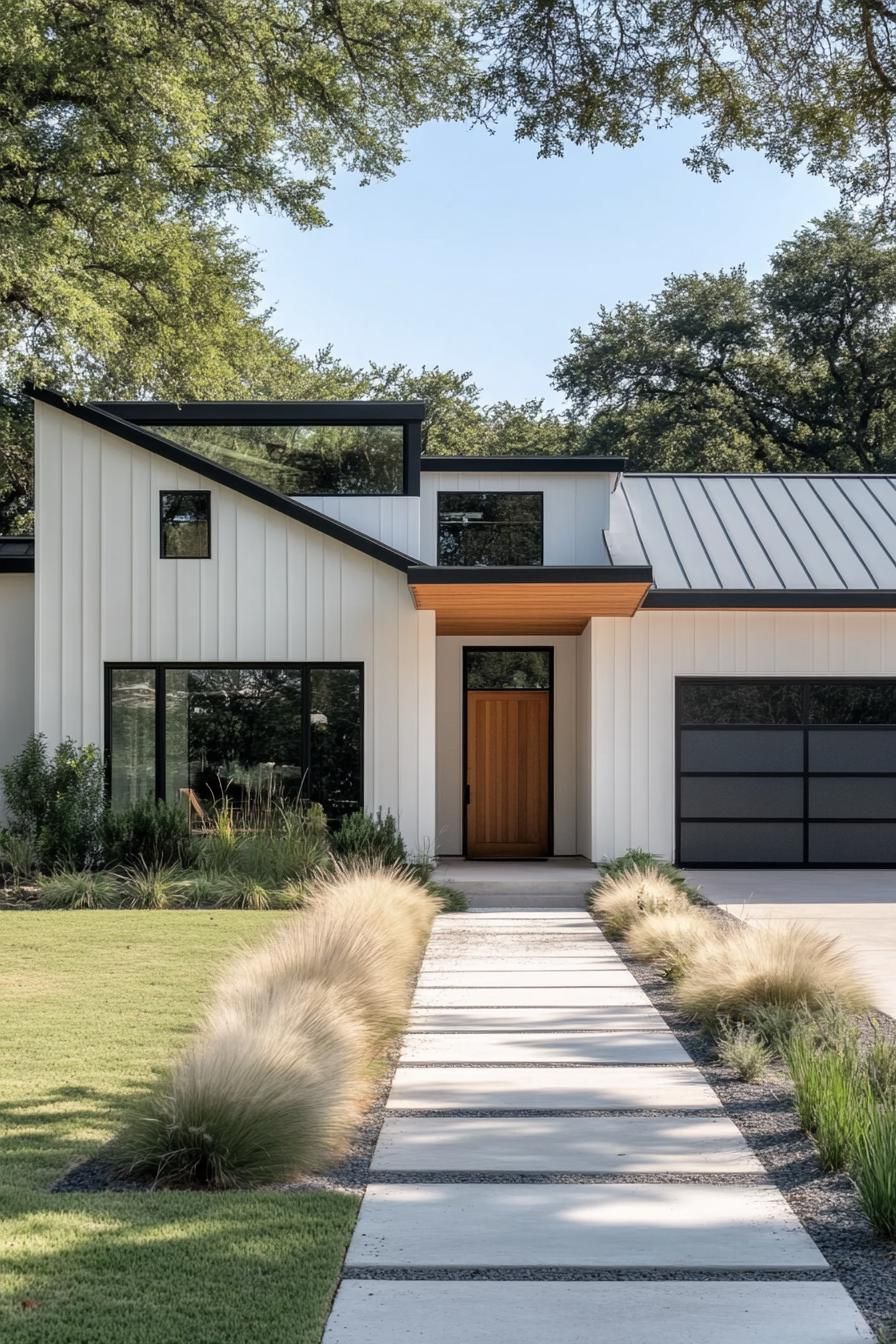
[186, 524]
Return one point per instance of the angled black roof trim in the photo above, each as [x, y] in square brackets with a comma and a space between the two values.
[266, 412]
[16, 555]
[471, 463]
[213, 471]
[530, 574]
[775, 599]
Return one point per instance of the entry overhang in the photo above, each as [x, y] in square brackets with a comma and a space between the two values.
[526, 600]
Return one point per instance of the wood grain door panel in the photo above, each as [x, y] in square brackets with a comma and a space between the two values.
[508, 774]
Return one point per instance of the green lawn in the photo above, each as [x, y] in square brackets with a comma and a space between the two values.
[91, 1003]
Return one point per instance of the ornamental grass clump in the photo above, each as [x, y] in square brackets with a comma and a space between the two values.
[275, 1079]
[152, 886]
[77, 890]
[834, 1097]
[670, 938]
[742, 1049]
[784, 964]
[874, 1168]
[622, 899]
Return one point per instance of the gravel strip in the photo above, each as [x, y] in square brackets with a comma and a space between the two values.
[825, 1202]
[577, 1274]
[569, 1178]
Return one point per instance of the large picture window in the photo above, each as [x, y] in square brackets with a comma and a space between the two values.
[490, 528]
[250, 735]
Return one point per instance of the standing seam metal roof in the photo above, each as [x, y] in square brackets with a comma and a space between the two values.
[704, 532]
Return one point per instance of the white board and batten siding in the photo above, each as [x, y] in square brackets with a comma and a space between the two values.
[274, 591]
[16, 665]
[634, 664]
[576, 509]
[392, 519]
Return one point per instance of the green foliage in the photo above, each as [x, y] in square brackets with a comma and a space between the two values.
[833, 1094]
[805, 85]
[79, 889]
[18, 857]
[743, 1050]
[874, 1168]
[152, 886]
[365, 839]
[793, 371]
[453, 902]
[56, 802]
[149, 831]
[881, 1063]
[290, 846]
[242, 891]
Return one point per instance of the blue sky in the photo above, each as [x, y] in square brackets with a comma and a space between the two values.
[477, 255]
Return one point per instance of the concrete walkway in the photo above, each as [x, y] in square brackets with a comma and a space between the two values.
[553, 1167]
[858, 905]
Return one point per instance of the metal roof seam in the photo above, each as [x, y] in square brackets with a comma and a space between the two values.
[698, 533]
[785, 535]
[660, 515]
[847, 538]
[712, 504]
[861, 516]
[759, 542]
[825, 550]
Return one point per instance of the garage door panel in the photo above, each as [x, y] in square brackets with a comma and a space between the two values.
[741, 749]
[852, 749]
[794, 772]
[852, 842]
[744, 796]
[741, 842]
[864, 797]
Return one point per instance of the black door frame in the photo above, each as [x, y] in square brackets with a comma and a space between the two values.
[804, 727]
[465, 782]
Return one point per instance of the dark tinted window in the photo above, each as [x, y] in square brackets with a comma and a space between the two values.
[132, 715]
[852, 702]
[490, 528]
[305, 459]
[741, 702]
[508, 669]
[335, 756]
[186, 524]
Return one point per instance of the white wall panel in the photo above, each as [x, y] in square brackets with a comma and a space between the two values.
[392, 519]
[635, 664]
[576, 509]
[16, 664]
[273, 590]
[449, 736]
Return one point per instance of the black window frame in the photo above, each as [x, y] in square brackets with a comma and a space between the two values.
[195, 494]
[527, 494]
[805, 727]
[160, 669]
[549, 691]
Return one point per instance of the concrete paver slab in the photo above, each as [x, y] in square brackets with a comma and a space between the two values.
[527, 961]
[582, 1226]
[524, 978]
[544, 1047]
[641, 1017]
[564, 996]
[635, 1143]
[601, 1088]
[427, 1312]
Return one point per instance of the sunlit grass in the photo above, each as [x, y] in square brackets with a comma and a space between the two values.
[92, 1003]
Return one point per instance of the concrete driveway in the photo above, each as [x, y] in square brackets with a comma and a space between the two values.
[858, 905]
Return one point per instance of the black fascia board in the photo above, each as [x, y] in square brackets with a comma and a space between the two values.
[213, 471]
[607, 465]
[441, 574]
[776, 599]
[265, 412]
[16, 564]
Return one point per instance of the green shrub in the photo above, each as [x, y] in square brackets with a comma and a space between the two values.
[833, 1094]
[453, 902]
[18, 857]
[742, 1049]
[291, 847]
[874, 1168]
[241, 891]
[79, 889]
[146, 886]
[150, 832]
[57, 802]
[880, 1061]
[201, 887]
[362, 838]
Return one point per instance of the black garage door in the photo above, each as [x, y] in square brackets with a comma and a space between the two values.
[786, 771]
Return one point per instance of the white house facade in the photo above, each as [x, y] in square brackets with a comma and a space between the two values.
[517, 658]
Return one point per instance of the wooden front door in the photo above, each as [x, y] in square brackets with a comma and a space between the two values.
[508, 774]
